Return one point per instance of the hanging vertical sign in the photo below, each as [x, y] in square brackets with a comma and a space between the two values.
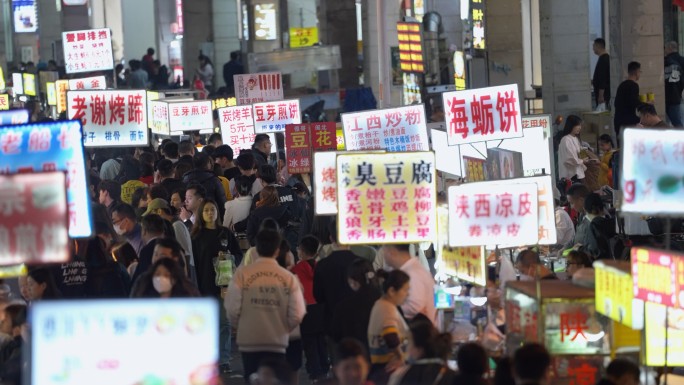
[478, 24]
[324, 136]
[88, 50]
[410, 47]
[298, 148]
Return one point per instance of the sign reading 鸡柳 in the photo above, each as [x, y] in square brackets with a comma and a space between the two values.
[274, 116]
[91, 83]
[110, 117]
[394, 129]
[386, 198]
[492, 213]
[258, 88]
[190, 116]
[482, 114]
[88, 50]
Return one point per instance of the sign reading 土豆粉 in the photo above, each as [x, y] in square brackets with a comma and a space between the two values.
[274, 116]
[91, 83]
[493, 213]
[652, 176]
[386, 198]
[394, 129]
[325, 183]
[51, 147]
[258, 88]
[658, 276]
[482, 114]
[110, 117]
[87, 50]
[34, 218]
[190, 116]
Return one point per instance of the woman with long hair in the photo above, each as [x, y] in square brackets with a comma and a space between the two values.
[40, 284]
[165, 279]
[570, 164]
[268, 206]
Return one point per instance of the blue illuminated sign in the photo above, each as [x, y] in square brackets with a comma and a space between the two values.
[14, 117]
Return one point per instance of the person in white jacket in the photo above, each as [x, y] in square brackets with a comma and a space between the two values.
[570, 165]
[266, 303]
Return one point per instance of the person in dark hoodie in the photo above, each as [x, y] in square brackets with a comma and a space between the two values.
[11, 362]
[262, 149]
[268, 206]
[203, 174]
[595, 230]
[621, 371]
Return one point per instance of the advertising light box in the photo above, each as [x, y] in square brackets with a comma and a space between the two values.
[4, 102]
[652, 176]
[466, 263]
[482, 114]
[386, 198]
[137, 334]
[110, 117]
[614, 294]
[274, 116]
[258, 88]
[51, 147]
[190, 116]
[394, 129]
[658, 276]
[656, 336]
[12, 117]
[88, 50]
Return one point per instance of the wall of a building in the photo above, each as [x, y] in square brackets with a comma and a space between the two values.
[372, 72]
[49, 30]
[226, 34]
[139, 20]
[198, 30]
[504, 38]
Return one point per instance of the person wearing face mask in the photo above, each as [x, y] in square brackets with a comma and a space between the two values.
[165, 279]
[209, 239]
[126, 225]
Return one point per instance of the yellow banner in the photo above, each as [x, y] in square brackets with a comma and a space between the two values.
[340, 139]
[303, 37]
[2, 79]
[4, 102]
[62, 88]
[29, 84]
[51, 91]
[614, 295]
[466, 263]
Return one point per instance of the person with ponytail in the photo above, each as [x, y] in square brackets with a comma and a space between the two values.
[352, 314]
[428, 350]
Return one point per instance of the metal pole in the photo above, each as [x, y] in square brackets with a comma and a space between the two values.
[382, 45]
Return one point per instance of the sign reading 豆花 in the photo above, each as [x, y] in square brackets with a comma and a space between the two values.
[88, 50]
[110, 117]
[482, 114]
[492, 213]
[274, 116]
[394, 129]
[386, 198]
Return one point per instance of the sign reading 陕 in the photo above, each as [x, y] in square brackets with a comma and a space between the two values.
[51, 147]
[394, 129]
[466, 263]
[34, 218]
[386, 198]
[88, 50]
[658, 276]
[274, 116]
[13, 117]
[492, 213]
[652, 172]
[298, 148]
[92, 83]
[237, 127]
[110, 117]
[258, 88]
[325, 183]
[190, 116]
[482, 114]
[614, 294]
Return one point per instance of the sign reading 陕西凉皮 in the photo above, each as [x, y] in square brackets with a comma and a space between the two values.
[482, 114]
[110, 117]
[88, 50]
[274, 116]
[258, 88]
[652, 176]
[394, 129]
[386, 198]
[493, 213]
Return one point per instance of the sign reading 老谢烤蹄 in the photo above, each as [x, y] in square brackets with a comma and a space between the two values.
[386, 198]
[88, 50]
[190, 116]
[652, 176]
[394, 129]
[274, 116]
[91, 83]
[482, 114]
[493, 213]
[51, 147]
[12, 117]
[258, 88]
[110, 117]
[34, 221]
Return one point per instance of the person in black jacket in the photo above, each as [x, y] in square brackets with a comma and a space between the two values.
[167, 171]
[621, 371]
[531, 364]
[674, 83]
[595, 230]
[627, 99]
[11, 361]
[203, 174]
[601, 78]
[262, 149]
[268, 206]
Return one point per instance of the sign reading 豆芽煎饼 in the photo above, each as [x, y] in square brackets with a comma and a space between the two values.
[274, 116]
[394, 129]
[88, 50]
[190, 116]
[482, 114]
[386, 198]
[110, 117]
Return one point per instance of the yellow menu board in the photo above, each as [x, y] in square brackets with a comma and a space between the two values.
[614, 294]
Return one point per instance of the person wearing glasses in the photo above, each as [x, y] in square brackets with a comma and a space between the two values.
[577, 260]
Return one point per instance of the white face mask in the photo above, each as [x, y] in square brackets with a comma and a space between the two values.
[162, 284]
[119, 230]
